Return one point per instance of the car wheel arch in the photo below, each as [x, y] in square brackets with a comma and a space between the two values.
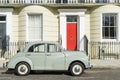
[19, 66]
[23, 62]
[30, 65]
[75, 62]
[23, 59]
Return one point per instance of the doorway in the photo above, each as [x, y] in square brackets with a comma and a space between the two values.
[71, 30]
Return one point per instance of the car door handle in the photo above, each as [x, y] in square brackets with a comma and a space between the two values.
[48, 54]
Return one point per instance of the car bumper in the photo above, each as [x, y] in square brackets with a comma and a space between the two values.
[5, 64]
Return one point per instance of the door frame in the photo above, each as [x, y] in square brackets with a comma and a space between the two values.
[80, 26]
[8, 13]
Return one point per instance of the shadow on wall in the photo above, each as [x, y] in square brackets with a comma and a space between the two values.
[84, 44]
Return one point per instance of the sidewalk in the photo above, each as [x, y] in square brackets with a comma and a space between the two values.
[115, 63]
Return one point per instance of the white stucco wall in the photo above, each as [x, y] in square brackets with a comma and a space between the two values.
[50, 22]
[96, 21]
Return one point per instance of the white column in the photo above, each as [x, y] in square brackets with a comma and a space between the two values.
[118, 20]
[63, 30]
[9, 25]
[81, 32]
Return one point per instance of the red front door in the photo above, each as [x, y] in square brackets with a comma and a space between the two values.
[71, 33]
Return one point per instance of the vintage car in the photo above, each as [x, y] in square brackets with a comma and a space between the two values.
[48, 56]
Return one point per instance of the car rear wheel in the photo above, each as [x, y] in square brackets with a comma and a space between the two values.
[22, 69]
[76, 69]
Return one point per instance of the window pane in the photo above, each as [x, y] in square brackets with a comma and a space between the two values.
[106, 32]
[35, 27]
[2, 18]
[112, 21]
[71, 18]
[52, 48]
[2, 29]
[107, 21]
[112, 32]
[101, 1]
[39, 48]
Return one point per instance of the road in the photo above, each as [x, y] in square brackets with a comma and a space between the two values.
[92, 74]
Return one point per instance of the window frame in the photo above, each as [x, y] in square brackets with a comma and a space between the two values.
[27, 27]
[36, 45]
[58, 49]
[117, 27]
[3, 33]
[4, 21]
[102, 1]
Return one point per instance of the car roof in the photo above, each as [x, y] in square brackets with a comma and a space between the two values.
[39, 42]
[48, 42]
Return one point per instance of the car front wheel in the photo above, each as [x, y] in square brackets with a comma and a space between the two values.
[76, 69]
[22, 69]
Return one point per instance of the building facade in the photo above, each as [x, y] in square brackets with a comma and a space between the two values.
[67, 21]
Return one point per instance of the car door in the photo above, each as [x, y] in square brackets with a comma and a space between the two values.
[55, 59]
[36, 53]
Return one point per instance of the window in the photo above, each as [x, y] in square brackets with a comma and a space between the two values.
[52, 48]
[71, 18]
[102, 1]
[109, 26]
[35, 27]
[39, 48]
[2, 31]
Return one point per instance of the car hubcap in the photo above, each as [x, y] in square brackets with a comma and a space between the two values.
[77, 69]
[22, 69]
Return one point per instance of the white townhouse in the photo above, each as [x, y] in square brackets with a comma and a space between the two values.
[67, 21]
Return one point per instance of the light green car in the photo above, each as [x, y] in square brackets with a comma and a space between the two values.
[48, 56]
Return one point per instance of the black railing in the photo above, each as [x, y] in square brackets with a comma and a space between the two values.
[104, 50]
[11, 49]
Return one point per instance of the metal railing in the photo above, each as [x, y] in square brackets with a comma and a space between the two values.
[56, 1]
[104, 50]
[12, 48]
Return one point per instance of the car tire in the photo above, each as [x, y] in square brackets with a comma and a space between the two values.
[76, 69]
[22, 69]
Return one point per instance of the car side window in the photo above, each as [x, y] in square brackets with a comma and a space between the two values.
[52, 48]
[37, 48]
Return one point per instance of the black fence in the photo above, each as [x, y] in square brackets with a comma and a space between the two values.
[12, 48]
[104, 50]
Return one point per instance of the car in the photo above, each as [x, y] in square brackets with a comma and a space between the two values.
[48, 56]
